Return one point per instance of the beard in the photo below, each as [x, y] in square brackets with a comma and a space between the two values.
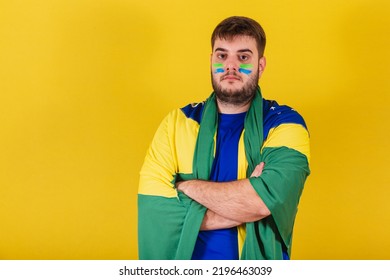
[236, 97]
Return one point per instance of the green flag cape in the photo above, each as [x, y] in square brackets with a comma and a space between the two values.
[279, 186]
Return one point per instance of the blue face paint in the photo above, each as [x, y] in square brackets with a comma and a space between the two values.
[218, 68]
[245, 71]
[244, 68]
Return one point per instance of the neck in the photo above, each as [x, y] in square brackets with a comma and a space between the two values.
[228, 108]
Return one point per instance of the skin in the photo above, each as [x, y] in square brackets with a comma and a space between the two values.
[232, 203]
[233, 53]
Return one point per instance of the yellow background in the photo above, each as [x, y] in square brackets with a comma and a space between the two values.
[85, 83]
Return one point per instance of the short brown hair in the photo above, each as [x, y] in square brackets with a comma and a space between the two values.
[240, 26]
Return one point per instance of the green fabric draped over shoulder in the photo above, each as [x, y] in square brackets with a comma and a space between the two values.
[279, 186]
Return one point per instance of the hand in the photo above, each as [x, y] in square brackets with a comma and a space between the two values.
[182, 186]
[258, 170]
[178, 186]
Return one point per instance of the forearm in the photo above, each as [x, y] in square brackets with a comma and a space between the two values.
[212, 221]
[236, 200]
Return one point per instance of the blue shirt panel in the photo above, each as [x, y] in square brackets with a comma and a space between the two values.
[223, 244]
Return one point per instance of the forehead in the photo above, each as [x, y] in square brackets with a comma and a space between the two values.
[236, 43]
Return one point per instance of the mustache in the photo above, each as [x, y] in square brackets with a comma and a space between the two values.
[231, 73]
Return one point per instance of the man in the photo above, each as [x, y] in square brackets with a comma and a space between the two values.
[222, 179]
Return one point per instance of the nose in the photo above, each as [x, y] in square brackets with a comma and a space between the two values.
[231, 65]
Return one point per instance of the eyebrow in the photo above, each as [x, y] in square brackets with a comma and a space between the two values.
[225, 50]
[245, 50]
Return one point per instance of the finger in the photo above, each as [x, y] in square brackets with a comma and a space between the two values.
[258, 170]
[255, 172]
[261, 166]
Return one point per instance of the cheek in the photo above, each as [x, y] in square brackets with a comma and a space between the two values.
[218, 68]
[246, 69]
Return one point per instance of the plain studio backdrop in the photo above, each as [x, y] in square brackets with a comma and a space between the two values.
[85, 83]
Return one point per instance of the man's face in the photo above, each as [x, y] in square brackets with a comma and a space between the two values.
[236, 69]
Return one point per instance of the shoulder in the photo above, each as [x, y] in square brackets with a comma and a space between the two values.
[275, 115]
[193, 111]
[183, 119]
[285, 127]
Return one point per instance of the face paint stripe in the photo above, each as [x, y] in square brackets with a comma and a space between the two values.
[218, 65]
[219, 70]
[246, 66]
[245, 71]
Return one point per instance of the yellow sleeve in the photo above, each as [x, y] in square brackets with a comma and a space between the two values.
[159, 166]
[290, 135]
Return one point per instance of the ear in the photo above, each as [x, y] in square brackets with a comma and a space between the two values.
[262, 64]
